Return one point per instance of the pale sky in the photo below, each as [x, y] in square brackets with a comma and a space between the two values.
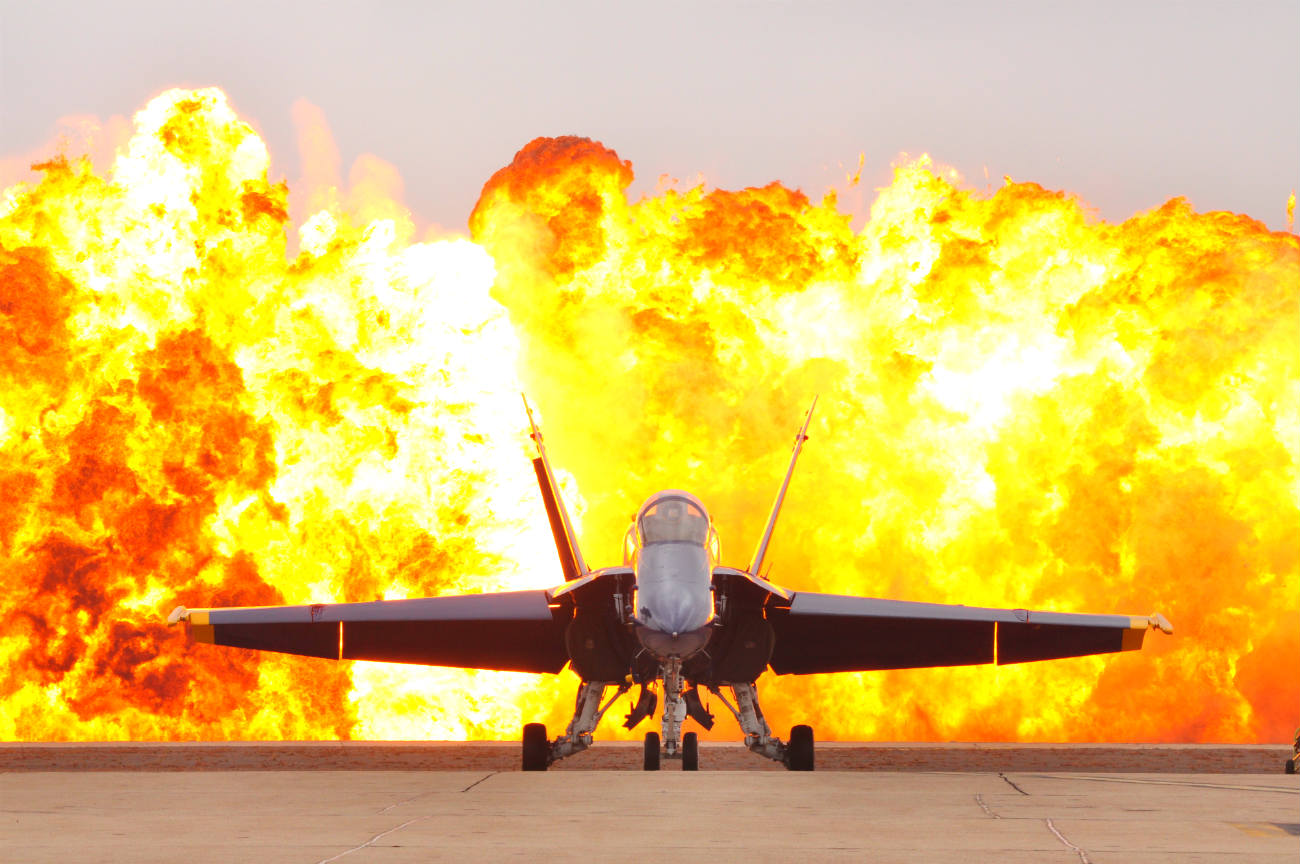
[1124, 104]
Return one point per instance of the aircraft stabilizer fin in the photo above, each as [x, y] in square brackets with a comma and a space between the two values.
[761, 551]
[566, 544]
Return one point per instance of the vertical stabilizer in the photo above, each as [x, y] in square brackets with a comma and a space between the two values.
[761, 551]
[566, 544]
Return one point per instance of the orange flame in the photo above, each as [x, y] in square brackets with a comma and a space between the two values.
[1021, 406]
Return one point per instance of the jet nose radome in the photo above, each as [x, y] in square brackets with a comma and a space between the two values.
[680, 644]
[673, 612]
[673, 587]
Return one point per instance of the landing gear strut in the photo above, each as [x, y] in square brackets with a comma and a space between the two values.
[586, 717]
[796, 756]
[674, 706]
[678, 705]
[590, 707]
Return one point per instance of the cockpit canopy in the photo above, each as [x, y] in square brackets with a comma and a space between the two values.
[672, 517]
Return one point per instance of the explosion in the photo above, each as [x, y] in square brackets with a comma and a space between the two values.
[1021, 405]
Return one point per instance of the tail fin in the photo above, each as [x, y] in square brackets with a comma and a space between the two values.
[761, 551]
[566, 544]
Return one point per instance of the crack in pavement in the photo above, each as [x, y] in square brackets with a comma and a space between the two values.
[480, 780]
[382, 834]
[1012, 784]
[373, 839]
[979, 799]
[1083, 856]
[403, 801]
[430, 792]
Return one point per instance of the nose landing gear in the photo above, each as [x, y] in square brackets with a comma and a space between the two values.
[690, 752]
[651, 762]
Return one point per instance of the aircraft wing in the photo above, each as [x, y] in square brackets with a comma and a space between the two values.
[831, 633]
[514, 630]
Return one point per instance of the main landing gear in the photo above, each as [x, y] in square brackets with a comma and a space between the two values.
[539, 753]
[799, 752]
[537, 750]
[796, 755]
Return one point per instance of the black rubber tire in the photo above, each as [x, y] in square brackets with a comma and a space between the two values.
[1290, 766]
[799, 752]
[690, 752]
[537, 750]
[652, 751]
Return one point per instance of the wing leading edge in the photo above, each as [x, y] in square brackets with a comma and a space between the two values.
[517, 631]
[832, 633]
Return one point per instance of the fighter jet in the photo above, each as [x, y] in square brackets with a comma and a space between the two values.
[670, 620]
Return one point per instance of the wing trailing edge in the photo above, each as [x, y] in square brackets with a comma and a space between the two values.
[830, 633]
[517, 631]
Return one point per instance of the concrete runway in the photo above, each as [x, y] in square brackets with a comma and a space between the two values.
[355, 816]
[626, 756]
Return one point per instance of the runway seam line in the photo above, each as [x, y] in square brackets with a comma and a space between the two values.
[979, 799]
[396, 804]
[373, 839]
[480, 780]
[1083, 856]
[1012, 784]
[1155, 782]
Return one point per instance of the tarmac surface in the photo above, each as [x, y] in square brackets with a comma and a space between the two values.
[626, 756]
[490, 814]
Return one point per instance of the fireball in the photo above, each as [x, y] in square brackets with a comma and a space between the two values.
[205, 402]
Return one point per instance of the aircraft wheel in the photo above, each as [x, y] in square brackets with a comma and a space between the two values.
[799, 752]
[1290, 766]
[690, 752]
[537, 750]
[652, 751]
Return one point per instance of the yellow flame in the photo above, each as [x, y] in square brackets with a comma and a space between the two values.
[1021, 406]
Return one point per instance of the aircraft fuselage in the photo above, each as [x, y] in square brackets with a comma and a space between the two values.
[673, 552]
